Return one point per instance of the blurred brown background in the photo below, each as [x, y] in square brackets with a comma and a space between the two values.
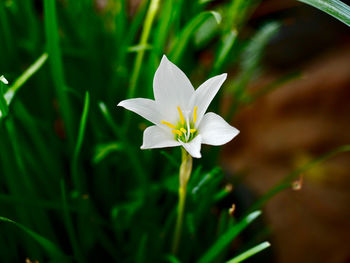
[292, 125]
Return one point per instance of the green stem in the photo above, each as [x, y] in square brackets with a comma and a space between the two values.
[151, 13]
[143, 42]
[184, 176]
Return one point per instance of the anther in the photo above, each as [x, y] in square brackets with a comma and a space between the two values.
[193, 130]
[183, 130]
[176, 132]
[181, 116]
[195, 114]
[168, 124]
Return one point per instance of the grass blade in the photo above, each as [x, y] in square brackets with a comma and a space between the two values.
[24, 77]
[335, 8]
[50, 247]
[54, 51]
[227, 238]
[76, 178]
[226, 45]
[180, 43]
[287, 181]
[250, 252]
[69, 225]
[151, 13]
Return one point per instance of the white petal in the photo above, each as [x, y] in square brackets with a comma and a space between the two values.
[3, 80]
[215, 130]
[206, 93]
[193, 147]
[156, 137]
[171, 87]
[144, 107]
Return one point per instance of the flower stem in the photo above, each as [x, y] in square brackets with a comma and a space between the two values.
[184, 176]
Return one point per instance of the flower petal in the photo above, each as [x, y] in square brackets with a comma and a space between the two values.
[205, 94]
[156, 137]
[193, 147]
[215, 130]
[146, 108]
[171, 87]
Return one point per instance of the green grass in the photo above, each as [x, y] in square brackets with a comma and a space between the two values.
[75, 187]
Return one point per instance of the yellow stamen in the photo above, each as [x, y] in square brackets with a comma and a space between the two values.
[168, 124]
[183, 130]
[195, 114]
[181, 116]
[177, 132]
[193, 130]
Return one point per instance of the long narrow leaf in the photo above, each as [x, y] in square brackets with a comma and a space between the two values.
[251, 252]
[335, 8]
[50, 247]
[24, 77]
[227, 238]
[80, 139]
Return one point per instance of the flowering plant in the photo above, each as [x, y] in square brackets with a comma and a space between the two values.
[178, 112]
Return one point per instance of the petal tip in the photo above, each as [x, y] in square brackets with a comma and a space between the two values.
[121, 104]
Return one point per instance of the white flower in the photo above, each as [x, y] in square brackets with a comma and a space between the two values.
[178, 112]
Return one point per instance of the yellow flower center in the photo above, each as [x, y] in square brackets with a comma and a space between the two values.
[184, 130]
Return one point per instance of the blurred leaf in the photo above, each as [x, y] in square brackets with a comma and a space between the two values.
[206, 31]
[56, 64]
[205, 181]
[287, 181]
[225, 47]
[24, 77]
[251, 57]
[249, 253]
[180, 43]
[227, 238]
[140, 47]
[69, 226]
[103, 150]
[335, 8]
[51, 248]
[3, 104]
[271, 86]
[82, 126]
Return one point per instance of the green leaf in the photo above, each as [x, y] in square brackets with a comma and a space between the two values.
[82, 126]
[227, 238]
[180, 43]
[56, 64]
[287, 181]
[335, 8]
[50, 247]
[250, 252]
[3, 104]
[103, 150]
[226, 45]
[24, 77]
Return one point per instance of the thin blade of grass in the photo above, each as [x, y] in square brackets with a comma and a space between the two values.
[227, 238]
[69, 225]
[335, 8]
[182, 40]
[250, 252]
[54, 51]
[10, 93]
[287, 181]
[50, 247]
[129, 150]
[82, 127]
[151, 13]
[226, 45]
